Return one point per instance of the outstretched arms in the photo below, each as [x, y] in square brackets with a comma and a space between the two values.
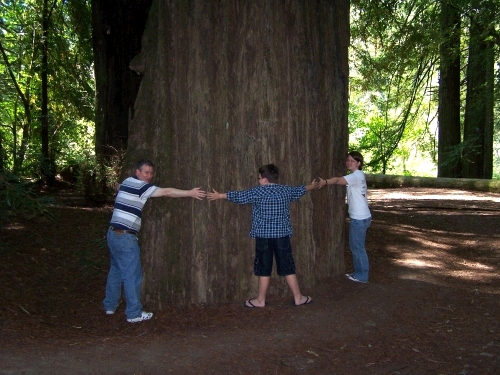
[313, 185]
[195, 193]
[332, 181]
[215, 195]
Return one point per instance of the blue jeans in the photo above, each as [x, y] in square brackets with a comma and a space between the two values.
[125, 269]
[357, 236]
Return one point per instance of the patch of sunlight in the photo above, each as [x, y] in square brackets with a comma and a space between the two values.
[418, 263]
[471, 275]
[431, 245]
[15, 227]
[428, 244]
[476, 265]
[459, 195]
[463, 266]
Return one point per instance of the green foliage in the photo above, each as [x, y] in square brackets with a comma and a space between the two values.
[70, 83]
[98, 178]
[74, 143]
[393, 102]
[19, 198]
[392, 67]
[394, 81]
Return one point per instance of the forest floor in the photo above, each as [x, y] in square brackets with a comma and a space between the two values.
[432, 305]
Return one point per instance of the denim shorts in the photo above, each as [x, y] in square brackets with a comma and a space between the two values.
[281, 249]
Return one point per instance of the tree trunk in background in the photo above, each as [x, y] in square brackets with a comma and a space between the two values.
[477, 159]
[229, 86]
[47, 167]
[2, 154]
[449, 93]
[489, 117]
[117, 28]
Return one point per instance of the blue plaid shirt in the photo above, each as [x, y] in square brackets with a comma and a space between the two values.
[270, 208]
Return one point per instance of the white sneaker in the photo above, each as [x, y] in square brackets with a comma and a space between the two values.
[110, 312]
[352, 278]
[144, 316]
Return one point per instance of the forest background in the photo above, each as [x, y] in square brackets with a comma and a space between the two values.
[423, 101]
[423, 91]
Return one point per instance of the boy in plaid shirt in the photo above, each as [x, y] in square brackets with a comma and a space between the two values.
[272, 229]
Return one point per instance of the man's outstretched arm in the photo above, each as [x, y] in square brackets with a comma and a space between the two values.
[195, 193]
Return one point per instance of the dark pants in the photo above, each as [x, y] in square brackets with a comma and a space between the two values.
[281, 249]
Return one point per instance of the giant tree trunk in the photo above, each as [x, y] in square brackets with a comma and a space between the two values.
[229, 86]
[117, 27]
[449, 92]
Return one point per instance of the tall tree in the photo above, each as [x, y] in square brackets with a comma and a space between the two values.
[47, 165]
[117, 29]
[477, 159]
[227, 87]
[449, 110]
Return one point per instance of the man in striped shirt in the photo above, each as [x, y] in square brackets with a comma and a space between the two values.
[272, 229]
[122, 239]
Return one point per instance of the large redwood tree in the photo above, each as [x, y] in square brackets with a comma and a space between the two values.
[117, 27]
[229, 86]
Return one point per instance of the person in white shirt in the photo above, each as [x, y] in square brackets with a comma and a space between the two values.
[359, 213]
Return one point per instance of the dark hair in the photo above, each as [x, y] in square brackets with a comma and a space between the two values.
[358, 157]
[269, 171]
[141, 163]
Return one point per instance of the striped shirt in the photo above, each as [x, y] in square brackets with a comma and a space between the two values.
[132, 196]
[270, 208]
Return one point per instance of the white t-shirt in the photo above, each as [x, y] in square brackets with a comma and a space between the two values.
[356, 196]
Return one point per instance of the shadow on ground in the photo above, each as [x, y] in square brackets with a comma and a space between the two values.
[431, 307]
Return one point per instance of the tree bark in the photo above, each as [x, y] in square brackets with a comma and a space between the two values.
[229, 86]
[117, 27]
[47, 166]
[477, 159]
[449, 138]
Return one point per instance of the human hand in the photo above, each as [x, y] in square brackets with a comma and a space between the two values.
[322, 182]
[197, 193]
[214, 196]
[312, 186]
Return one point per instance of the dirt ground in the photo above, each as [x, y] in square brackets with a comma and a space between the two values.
[431, 307]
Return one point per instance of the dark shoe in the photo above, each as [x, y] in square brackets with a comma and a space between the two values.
[307, 302]
[250, 305]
